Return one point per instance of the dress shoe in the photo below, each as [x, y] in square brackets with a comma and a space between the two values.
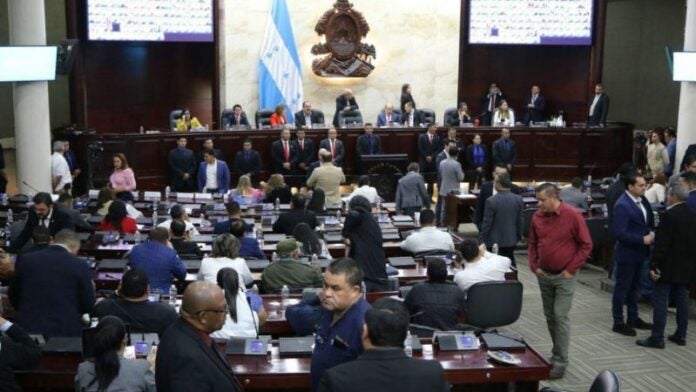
[624, 329]
[677, 340]
[639, 324]
[648, 342]
[556, 372]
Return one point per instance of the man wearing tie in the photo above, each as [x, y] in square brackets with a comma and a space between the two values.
[491, 100]
[334, 146]
[284, 154]
[44, 213]
[388, 117]
[412, 117]
[632, 224]
[599, 108]
[369, 143]
[429, 145]
[306, 117]
[305, 151]
[237, 119]
[182, 164]
[504, 150]
[536, 104]
[247, 161]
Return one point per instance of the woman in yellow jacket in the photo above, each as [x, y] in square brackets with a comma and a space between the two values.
[186, 123]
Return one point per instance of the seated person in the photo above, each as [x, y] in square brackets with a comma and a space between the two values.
[159, 261]
[480, 265]
[287, 221]
[249, 246]
[109, 370]
[40, 239]
[131, 305]
[117, 219]
[225, 254]
[436, 303]
[429, 238]
[19, 352]
[181, 240]
[504, 115]
[311, 243]
[186, 122]
[656, 192]
[237, 118]
[364, 189]
[278, 118]
[245, 193]
[288, 270]
[234, 213]
[65, 200]
[462, 117]
[245, 313]
[387, 117]
[104, 199]
[178, 212]
[276, 188]
[574, 196]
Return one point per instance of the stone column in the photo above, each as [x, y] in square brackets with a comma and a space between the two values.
[686, 133]
[27, 24]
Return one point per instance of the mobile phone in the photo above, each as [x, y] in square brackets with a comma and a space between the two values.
[141, 349]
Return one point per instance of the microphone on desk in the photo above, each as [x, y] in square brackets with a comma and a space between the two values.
[256, 327]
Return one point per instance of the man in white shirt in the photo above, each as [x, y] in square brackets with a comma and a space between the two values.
[60, 171]
[364, 189]
[177, 212]
[429, 237]
[479, 265]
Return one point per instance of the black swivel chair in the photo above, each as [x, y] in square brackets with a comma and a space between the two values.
[450, 117]
[353, 117]
[173, 116]
[429, 116]
[493, 304]
[263, 118]
[606, 381]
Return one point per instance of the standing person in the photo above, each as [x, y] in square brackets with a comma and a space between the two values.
[657, 155]
[334, 146]
[451, 173]
[122, 180]
[599, 108]
[536, 104]
[504, 150]
[338, 333]
[43, 213]
[60, 171]
[52, 288]
[559, 243]
[284, 154]
[208, 144]
[368, 143]
[411, 195]
[363, 237]
[247, 161]
[673, 267]
[476, 157]
[297, 214]
[72, 160]
[305, 151]
[631, 226]
[502, 219]
[406, 97]
[187, 358]
[182, 165]
[327, 177]
[671, 140]
[490, 102]
[213, 174]
[429, 145]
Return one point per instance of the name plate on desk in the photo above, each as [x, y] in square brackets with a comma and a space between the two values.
[203, 196]
[184, 196]
[152, 196]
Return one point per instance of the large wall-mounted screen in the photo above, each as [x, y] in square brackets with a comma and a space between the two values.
[150, 20]
[531, 22]
[27, 63]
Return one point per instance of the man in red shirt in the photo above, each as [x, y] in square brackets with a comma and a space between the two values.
[559, 243]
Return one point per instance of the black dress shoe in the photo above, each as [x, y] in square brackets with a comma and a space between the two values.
[639, 324]
[677, 340]
[648, 342]
[624, 329]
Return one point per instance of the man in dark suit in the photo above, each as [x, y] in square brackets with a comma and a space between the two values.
[305, 151]
[235, 119]
[234, 213]
[345, 103]
[53, 288]
[368, 143]
[490, 102]
[307, 117]
[457, 140]
[284, 154]
[632, 225]
[213, 174]
[618, 188]
[182, 165]
[18, 352]
[43, 213]
[502, 219]
[334, 146]
[181, 240]
[429, 145]
[209, 145]
[504, 150]
[536, 104]
[247, 161]
[287, 221]
[387, 116]
[384, 366]
[487, 190]
[599, 108]
[412, 117]
[690, 152]
[187, 358]
[673, 267]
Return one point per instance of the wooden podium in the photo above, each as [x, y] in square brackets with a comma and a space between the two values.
[384, 170]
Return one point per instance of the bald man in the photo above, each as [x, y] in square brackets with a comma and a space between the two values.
[187, 358]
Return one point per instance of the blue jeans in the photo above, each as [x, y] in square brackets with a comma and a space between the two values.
[626, 281]
[679, 292]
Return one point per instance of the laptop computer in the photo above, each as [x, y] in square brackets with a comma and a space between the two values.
[296, 345]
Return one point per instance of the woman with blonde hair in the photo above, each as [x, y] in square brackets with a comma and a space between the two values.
[245, 193]
[504, 115]
[658, 157]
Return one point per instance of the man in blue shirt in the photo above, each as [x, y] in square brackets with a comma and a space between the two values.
[338, 332]
[671, 140]
[248, 246]
[159, 260]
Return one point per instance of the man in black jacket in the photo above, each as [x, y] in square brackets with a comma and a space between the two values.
[305, 151]
[187, 358]
[288, 220]
[384, 366]
[18, 351]
[673, 267]
[43, 213]
[345, 103]
[182, 164]
[235, 119]
[429, 145]
[181, 240]
[307, 117]
[247, 161]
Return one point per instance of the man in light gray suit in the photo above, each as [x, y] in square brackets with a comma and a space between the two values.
[574, 196]
[451, 174]
[411, 195]
[502, 219]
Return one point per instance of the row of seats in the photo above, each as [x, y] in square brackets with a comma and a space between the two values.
[263, 117]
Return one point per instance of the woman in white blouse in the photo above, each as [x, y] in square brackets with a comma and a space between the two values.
[225, 255]
[504, 115]
[658, 157]
[245, 312]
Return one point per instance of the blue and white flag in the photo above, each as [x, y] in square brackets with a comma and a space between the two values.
[280, 75]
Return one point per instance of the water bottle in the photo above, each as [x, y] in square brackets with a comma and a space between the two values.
[154, 218]
[276, 206]
[314, 261]
[255, 289]
[10, 217]
[363, 288]
[338, 215]
[284, 296]
[495, 248]
[408, 346]
[167, 190]
[204, 222]
[142, 129]
[172, 295]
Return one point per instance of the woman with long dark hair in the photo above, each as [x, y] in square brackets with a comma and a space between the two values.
[317, 203]
[363, 237]
[109, 371]
[245, 312]
[311, 243]
[122, 180]
[117, 219]
[406, 97]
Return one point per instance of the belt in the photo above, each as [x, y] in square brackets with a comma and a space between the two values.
[551, 272]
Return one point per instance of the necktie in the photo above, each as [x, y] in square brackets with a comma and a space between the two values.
[491, 103]
[302, 145]
[430, 138]
[333, 151]
[388, 118]
[410, 119]
[237, 117]
[286, 151]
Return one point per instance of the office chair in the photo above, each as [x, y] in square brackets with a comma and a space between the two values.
[606, 381]
[350, 118]
[263, 118]
[493, 304]
[429, 116]
[450, 116]
[173, 116]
